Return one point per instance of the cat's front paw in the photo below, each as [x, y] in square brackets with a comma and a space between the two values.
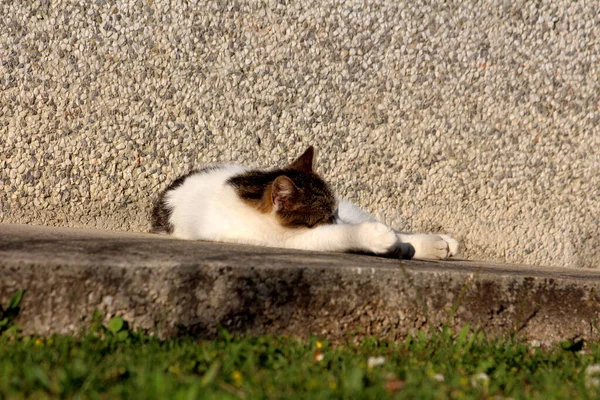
[377, 238]
[453, 245]
[433, 247]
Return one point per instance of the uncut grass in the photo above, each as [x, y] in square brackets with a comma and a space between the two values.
[107, 366]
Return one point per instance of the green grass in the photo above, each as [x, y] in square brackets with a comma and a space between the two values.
[109, 364]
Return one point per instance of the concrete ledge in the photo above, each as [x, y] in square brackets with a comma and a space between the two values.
[170, 286]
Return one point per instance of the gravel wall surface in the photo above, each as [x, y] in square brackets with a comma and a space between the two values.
[477, 118]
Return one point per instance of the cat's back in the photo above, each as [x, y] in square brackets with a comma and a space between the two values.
[191, 197]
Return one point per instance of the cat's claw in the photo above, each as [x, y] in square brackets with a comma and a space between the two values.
[377, 238]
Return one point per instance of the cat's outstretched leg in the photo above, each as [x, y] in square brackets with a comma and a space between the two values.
[371, 237]
[412, 245]
[427, 246]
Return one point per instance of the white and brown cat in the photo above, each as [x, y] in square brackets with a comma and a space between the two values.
[290, 207]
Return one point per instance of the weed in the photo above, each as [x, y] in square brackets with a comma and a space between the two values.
[7, 317]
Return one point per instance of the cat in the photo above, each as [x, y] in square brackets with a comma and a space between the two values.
[290, 207]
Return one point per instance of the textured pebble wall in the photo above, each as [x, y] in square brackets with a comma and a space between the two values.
[480, 119]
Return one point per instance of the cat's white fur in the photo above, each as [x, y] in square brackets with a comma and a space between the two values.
[205, 207]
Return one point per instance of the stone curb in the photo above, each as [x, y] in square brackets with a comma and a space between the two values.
[171, 287]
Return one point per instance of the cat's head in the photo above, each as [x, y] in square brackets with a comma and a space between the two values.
[300, 197]
[296, 195]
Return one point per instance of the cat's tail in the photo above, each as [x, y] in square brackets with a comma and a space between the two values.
[160, 217]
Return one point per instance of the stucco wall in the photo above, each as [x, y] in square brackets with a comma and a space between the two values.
[479, 119]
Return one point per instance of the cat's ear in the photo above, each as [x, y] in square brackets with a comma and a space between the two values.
[283, 193]
[304, 163]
